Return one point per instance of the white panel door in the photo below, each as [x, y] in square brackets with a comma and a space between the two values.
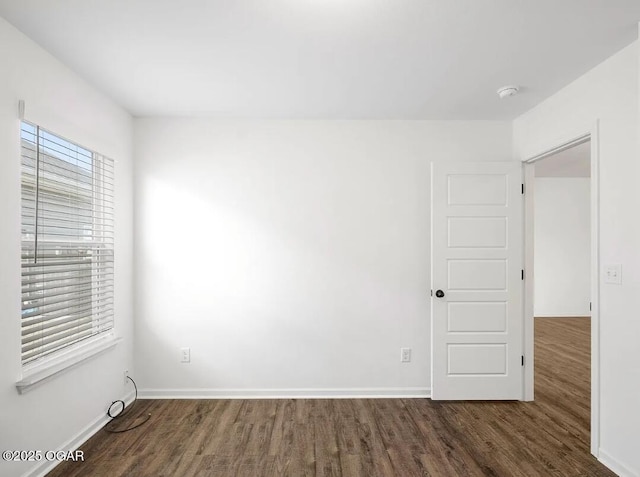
[476, 256]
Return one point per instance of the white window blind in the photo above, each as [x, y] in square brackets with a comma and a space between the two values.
[67, 243]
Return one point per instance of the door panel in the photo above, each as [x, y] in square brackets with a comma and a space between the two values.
[467, 232]
[470, 189]
[478, 317]
[477, 359]
[472, 274]
[476, 264]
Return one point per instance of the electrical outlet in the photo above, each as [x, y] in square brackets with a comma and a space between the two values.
[185, 355]
[405, 355]
[126, 376]
[613, 274]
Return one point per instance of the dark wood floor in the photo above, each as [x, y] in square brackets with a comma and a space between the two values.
[369, 437]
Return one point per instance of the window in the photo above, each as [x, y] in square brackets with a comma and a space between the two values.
[67, 244]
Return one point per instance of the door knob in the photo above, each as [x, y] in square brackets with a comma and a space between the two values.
[439, 293]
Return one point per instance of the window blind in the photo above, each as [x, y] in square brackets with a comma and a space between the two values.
[67, 243]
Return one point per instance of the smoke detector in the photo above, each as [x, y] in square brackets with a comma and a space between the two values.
[507, 91]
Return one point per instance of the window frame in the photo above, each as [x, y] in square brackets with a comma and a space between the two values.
[100, 245]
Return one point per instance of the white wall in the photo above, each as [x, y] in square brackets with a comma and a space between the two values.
[608, 93]
[292, 257]
[54, 413]
[562, 256]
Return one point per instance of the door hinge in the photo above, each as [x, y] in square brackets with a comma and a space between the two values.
[431, 292]
[522, 273]
[523, 188]
[522, 360]
[589, 306]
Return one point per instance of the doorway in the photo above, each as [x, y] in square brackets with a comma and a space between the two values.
[561, 259]
[562, 234]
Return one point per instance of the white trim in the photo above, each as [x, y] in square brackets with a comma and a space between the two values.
[295, 393]
[561, 315]
[595, 289]
[44, 467]
[38, 375]
[576, 140]
[572, 139]
[529, 279]
[553, 144]
[616, 466]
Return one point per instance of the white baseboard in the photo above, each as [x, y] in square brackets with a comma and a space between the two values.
[561, 315]
[616, 466]
[304, 393]
[44, 467]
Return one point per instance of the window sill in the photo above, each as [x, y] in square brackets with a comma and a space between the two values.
[39, 374]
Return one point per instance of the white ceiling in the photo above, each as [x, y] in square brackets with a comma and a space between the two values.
[334, 59]
[573, 162]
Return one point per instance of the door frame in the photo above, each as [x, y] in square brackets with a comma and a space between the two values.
[557, 145]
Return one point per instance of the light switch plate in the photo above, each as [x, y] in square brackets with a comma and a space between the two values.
[613, 274]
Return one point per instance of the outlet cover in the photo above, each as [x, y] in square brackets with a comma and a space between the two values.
[613, 274]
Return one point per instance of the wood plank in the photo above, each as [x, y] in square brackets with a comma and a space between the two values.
[368, 437]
